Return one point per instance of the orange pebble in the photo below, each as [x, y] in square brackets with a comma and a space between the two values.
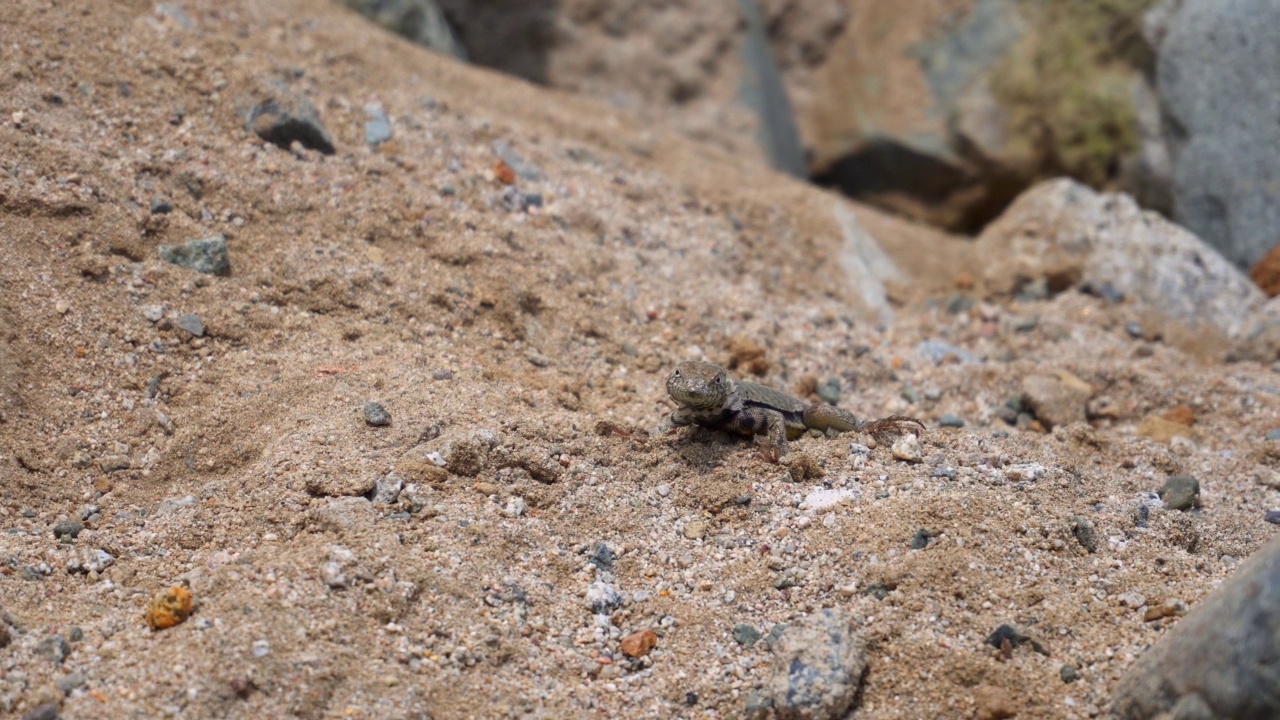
[504, 173]
[169, 607]
[638, 644]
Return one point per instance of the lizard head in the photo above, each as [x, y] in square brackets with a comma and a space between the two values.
[699, 385]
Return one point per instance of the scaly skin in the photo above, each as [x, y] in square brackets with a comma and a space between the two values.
[708, 396]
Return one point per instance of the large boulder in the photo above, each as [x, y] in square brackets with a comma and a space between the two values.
[1220, 661]
[1219, 87]
[1064, 235]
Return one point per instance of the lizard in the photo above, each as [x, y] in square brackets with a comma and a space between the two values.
[708, 396]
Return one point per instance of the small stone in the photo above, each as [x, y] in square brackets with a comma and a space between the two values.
[1068, 674]
[114, 463]
[756, 705]
[695, 529]
[745, 635]
[1011, 635]
[387, 489]
[377, 128]
[191, 324]
[993, 703]
[817, 667]
[75, 634]
[1181, 492]
[639, 644]
[442, 375]
[1132, 600]
[261, 648]
[948, 420]
[204, 255]
[334, 575]
[61, 307]
[829, 391]
[1056, 400]
[169, 607]
[1084, 533]
[1273, 434]
[284, 117]
[67, 529]
[601, 597]
[514, 507]
[602, 556]
[53, 648]
[44, 711]
[920, 540]
[1273, 517]
[168, 505]
[907, 448]
[70, 682]
[160, 206]
[376, 415]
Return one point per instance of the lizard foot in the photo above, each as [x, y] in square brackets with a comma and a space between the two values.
[894, 424]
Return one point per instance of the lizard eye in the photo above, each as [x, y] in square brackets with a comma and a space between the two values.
[676, 373]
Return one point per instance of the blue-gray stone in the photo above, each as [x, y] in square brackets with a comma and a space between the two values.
[377, 129]
[204, 255]
[817, 667]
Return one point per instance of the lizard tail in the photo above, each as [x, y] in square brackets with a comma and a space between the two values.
[828, 417]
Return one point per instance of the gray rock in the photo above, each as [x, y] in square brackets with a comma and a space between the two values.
[1272, 516]
[601, 597]
[418, 20]
[376, 415]
[170, 504]
[950, 420]
[71, 681]
[1068, 674]
[1221, 119]
[45, 711]
[763, 92]
[191, 324]
[817, 667]
[377, 128]
[204, 255]
[282, 117]
[1273, 434]
[1181, 492]
[53, 648]
[1074, 237]
[745, 635]
[935, 351]
[1084, 533]
[113, 463]
[387, 489]
[67, 529]
[1220, 660]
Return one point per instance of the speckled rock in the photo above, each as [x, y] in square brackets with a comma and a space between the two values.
[817, 667]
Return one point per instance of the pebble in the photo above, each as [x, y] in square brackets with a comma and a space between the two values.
[695, 529]
[61, 307]
[261, 648]
[70, 682]
[1068, 674]
[1273, 517]
[602, 556]
[334, 575]
[515, 507]
[53, 648]
[204, 255]
[746, 635]
[639, 644]
[160, 206]
[829, 391]
[1180, 492]
[44, 711]
[920, 540]
[601, 597]
[376, 415]
[1025, 471]
[1084, 533]
[936, 351]
[907, 448]
[442, 375]
[1132, 600]
[168, 505]
[67, 529]
[949, 420]
[377, 128]
[817, 667]
[1056, 400]
[191, 324]
[286, 117]
[1273, 434]
[169, 607]
[664, 490]
[386, 490]
[113, 463]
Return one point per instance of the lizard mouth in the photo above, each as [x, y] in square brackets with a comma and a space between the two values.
[696, 398]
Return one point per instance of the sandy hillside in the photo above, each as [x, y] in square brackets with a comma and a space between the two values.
[499, 325]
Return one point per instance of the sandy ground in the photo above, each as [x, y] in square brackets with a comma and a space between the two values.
[499, 332]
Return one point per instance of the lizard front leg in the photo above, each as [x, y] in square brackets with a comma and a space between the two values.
[761, 421]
